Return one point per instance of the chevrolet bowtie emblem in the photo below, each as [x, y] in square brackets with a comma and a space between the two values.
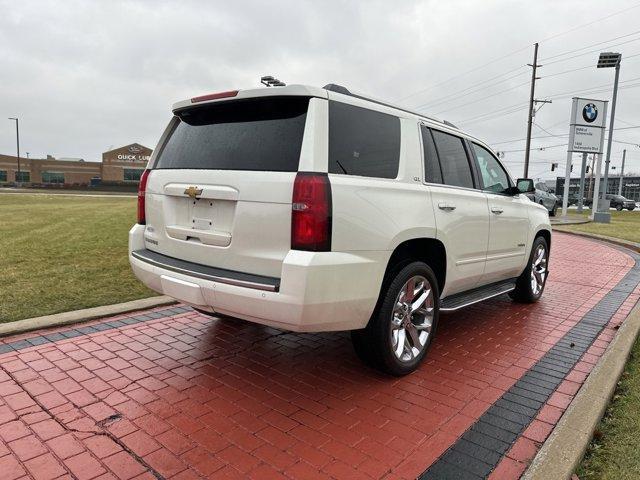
[193, 192]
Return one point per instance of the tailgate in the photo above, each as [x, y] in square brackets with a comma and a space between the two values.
[219, 193]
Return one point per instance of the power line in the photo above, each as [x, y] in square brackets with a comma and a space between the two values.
[490, 62]
[589, 46]
[524, 138]
[506, 111]
[547, 131]
[542, 148]
[590, 23]
[483, 98]
[592, 51]
[457, 95]
[479, 67]
[568, 71]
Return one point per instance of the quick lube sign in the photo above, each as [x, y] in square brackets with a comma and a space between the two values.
[587, 127]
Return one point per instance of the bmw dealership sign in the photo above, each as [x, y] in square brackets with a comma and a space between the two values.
[586, 133]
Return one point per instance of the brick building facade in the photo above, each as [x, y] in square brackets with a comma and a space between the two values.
[122, 165]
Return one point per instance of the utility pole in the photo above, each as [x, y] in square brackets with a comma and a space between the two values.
[530, 119]
[624, 154]
[17, 146]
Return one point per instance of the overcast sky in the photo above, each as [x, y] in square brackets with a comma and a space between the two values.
[86, 76]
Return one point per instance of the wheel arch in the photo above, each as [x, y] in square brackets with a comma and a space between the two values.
[546, 234]
[424, 249]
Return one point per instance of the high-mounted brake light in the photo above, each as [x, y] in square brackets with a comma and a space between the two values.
[142, 188]
[311, 212]
[214, 96]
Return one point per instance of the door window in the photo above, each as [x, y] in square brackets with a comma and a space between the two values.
[456, 170]
[494, 177]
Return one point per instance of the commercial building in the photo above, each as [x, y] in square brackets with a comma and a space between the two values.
[122, 165]
[630, 186]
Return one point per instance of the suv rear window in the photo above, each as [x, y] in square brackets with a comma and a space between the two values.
[257, 134]
[363, 142]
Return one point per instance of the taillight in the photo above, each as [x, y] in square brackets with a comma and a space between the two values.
[311, 212]
[214, 96]
[142, 188]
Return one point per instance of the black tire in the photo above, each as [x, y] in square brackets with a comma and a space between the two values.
[552, 213]
[631, 209]
[619, 208]
[524, 291]
[374, 344]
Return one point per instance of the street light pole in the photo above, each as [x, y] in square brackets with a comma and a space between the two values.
[624, 154]
[606, 60]
[610, 139]
[17, 144]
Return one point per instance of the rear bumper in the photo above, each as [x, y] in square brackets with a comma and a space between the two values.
[317, 291]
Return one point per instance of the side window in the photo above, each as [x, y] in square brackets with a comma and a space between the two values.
[453, 160]
[494, 177]
[432, 172]
[363, 142]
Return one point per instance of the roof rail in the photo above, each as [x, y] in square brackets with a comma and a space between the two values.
[332, 87]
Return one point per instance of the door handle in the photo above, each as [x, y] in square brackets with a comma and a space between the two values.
[447, 207]
[496, 210]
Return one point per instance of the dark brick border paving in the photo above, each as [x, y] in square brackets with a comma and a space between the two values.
[479, 450]
[89, 329]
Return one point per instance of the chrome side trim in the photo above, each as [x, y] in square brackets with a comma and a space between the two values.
[206, 276]
[478, 300]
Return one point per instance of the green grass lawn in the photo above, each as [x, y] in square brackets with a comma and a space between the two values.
[613, 452]
[61, 253]
[625, 225]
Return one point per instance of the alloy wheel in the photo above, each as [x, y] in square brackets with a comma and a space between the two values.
[412, 318]
[538, 269]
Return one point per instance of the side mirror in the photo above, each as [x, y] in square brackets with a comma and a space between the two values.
[525, 185]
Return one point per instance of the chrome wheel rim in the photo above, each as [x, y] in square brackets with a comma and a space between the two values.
[412, 319]
[538, 269]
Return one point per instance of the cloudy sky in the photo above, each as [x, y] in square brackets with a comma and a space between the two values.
[85, 76]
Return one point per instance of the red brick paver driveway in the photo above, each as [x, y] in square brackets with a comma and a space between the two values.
[185, 396]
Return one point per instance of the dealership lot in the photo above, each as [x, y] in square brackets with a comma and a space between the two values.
[174, 394]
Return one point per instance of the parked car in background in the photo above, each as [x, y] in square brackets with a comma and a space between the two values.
[615, 201]
[542, 196]
[620, 203]
[317, 209]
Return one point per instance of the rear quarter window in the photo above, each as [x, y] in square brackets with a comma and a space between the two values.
[363, 142]
[256, 134]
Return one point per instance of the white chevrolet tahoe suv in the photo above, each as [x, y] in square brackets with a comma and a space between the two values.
[316, 209]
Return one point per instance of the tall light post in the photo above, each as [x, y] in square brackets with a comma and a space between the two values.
[610, 60]
[17, 145]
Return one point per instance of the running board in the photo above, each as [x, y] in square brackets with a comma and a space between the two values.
[464, 299]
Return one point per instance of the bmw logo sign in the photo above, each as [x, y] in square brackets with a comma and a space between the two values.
[589, 113]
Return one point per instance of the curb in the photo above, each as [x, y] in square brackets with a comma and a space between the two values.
[79, 316]
[616, 241]
[565, 447]
[563, 450]
[559, 222]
